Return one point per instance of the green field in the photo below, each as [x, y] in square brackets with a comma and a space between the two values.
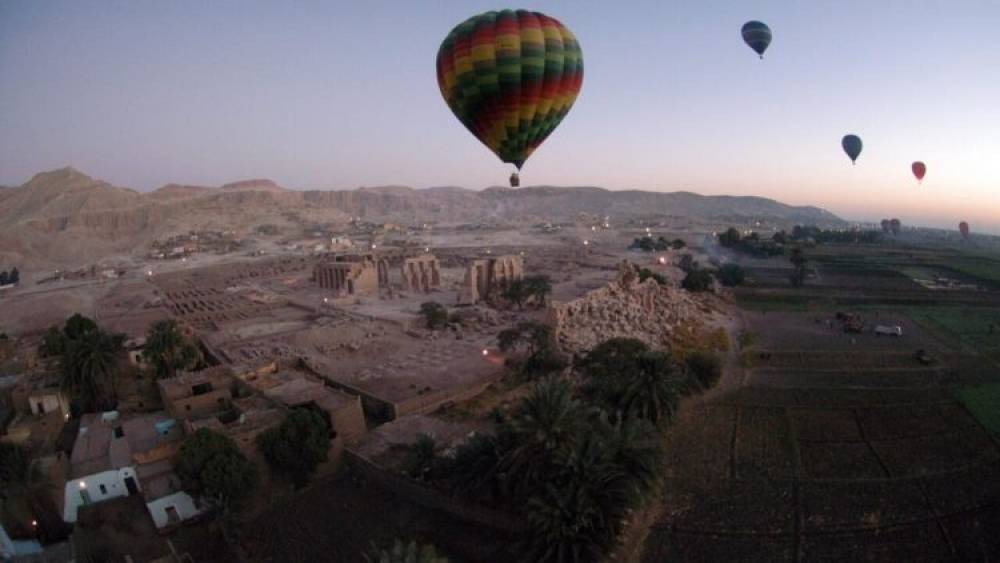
[970, 327]
[983, 401]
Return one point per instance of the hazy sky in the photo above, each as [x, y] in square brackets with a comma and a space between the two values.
[333, 95]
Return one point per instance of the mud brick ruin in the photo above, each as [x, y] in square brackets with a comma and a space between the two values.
[420, 274]
[485, 277]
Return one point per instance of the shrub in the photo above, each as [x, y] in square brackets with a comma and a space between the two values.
[704, 368]
[731, 275]
[435, 315]
[697, 281]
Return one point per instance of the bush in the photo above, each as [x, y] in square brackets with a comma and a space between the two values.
[646, 273]
[404, 553]
[704, 368]
[697, 281]
[435, 315]
[420, 457]
[731, 275]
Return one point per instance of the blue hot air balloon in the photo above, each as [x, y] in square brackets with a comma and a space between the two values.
[852, 146]
[757, 35]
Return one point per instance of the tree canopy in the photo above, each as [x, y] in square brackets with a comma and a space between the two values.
[297, 446]
[168, 350]
[88, 359]
[435, 315]
[212, 466]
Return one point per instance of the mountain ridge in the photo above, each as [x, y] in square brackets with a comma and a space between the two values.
[66, 213]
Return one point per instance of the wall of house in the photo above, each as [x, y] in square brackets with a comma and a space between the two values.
[114, 487]
[197, 406]
[349, 420]
[50, 402]
[180, 500]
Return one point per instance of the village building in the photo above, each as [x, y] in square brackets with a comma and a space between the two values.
[296, 389]
[115, 458]
[197, 394]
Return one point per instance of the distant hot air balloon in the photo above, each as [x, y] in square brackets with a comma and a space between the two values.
[852, 146]
[963, 228]
[886, 226]
[919, 169]
[510, 77]
[757, 35]
[895, 226]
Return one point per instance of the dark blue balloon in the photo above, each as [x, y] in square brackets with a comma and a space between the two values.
[757, 35]
[852, 146]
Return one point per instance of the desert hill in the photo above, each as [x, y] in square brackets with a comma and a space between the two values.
[65, 216]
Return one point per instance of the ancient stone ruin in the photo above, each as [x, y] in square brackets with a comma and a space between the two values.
[625, 307]
[353, 275]
[420, 273]
[484, 278]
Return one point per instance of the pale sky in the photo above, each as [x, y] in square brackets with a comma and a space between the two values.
[336, 95]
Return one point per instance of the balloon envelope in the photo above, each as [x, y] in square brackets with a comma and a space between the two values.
[757, 35]
[963, 228]
[510, 77]
[919, 169]
[852, 146]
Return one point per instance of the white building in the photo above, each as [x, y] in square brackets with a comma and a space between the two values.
[115, 458]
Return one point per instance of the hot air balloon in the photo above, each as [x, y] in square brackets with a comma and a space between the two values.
[510, 77]
[886, 226]
[852, 146]
[919, 169]
[963, 228]
[757, 35]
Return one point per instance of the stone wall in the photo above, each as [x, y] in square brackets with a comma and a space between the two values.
[626, 307]
[420, 274]
[483, 278]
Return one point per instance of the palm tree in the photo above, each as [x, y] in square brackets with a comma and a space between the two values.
[168, 349]
[654, 390]
[549, 419]
[579, 512]
[88, 366]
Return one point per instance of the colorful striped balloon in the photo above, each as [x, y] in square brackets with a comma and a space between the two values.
[510, 77]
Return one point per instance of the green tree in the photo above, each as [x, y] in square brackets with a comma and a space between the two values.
[435, 315]
[297, 446]
[77, 326]
[704, 368]
[538, 288]
[420, 457]
[730, 238]
[15, 465]
[697, 281]
[211, 466]
[646, 273]
[798, 260]
[53, 343]
[14, 276]
[687, 263]
[89, 365]
[677, 244]
[404, 553]
[597, 481]
[517, 292]
[731, 275]
[4, 277]
[548, 419]
[168, 349]
[536, 341]
[628, 379]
